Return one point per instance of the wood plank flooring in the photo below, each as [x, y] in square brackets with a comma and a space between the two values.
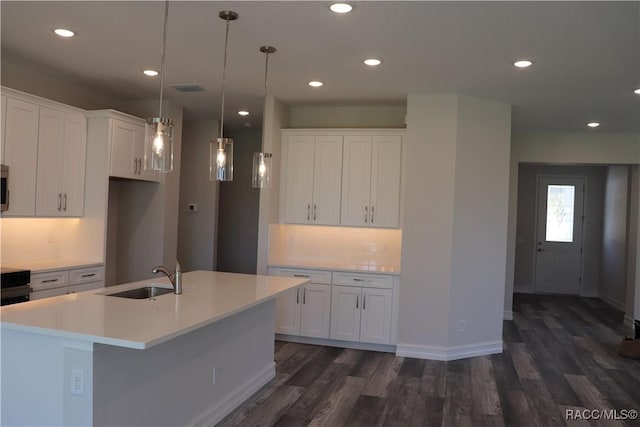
[560, 354]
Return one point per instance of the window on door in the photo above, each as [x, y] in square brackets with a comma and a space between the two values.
[560, 213]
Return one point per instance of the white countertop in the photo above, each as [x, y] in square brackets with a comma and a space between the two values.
[43, 266]
[91, 316]
[352, 268]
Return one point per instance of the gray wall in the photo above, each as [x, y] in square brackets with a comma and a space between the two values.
[348, 116]
[197, 230]
[613, 281]
[526, 223]
[238, 206]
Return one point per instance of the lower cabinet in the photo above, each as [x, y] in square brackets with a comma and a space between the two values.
[62, 282]
[361, 314]
[304, 311]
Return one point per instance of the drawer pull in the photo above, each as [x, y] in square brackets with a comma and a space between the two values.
[304, 296]
[357, 298]
[298, 296]
[89, 275]
[301, 275]
[364, 301]
[362, 280]
[49, 280]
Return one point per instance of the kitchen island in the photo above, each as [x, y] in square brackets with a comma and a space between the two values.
[94, 359]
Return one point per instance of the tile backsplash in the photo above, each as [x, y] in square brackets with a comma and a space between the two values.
[339, 247]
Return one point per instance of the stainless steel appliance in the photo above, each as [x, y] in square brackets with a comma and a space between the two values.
[4, 188]
[14, 285]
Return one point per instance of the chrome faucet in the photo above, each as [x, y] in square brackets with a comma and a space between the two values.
[175, 279]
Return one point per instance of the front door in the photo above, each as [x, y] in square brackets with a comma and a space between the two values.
[558, 256]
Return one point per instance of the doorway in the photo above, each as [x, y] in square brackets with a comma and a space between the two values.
[560, 216]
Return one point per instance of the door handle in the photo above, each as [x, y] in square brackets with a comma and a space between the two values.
[308, 212]
[298, 296]
[314, 211]
[139, 166]
[304, 295]
[364, 301]
[64, 206]
[59, 202]
[357, 299]
[371, 219]
[366, 214]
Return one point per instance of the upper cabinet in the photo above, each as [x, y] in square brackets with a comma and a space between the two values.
[371, 180]
[125, 135]
[341, 177]
[62, 146]
[312, 183]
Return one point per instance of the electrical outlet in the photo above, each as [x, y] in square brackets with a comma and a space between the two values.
[77, 382]
[463, 325]
[192, 207]
[215, 375]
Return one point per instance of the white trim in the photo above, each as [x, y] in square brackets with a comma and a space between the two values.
[593, 293]
[215, 413]
[523, 289]
[449, 353]
[508, 315]
[337, 343]
[628, 322]
[612, 302]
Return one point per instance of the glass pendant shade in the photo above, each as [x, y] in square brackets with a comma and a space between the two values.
[158, 152]
[261, 170]
[221, 160]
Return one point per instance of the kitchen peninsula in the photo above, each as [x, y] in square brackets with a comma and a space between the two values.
[94, 359]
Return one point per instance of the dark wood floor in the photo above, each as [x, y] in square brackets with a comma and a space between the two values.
[560, 354]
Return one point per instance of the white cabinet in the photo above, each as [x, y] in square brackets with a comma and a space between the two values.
[3, 114]
[20, 153]
[127, 150]
[362, 313]
[62, 145]
[313, 166]
[304, 311]
[61, 282]
[371, 180]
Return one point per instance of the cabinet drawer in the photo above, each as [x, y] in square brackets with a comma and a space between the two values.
[48, 293]
[56, 279]
[364, 280]
[315, 276]
[86, 275]
[85, 287]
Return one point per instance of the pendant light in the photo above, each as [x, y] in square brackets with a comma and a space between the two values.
[158, 151]
[221, 149]
[262, 160]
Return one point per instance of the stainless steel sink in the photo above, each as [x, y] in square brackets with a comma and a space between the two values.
[142, 293]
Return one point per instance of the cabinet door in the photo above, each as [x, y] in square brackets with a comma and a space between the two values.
[21, 155]
[124, 164]
[356, 181]
[75, 160]
[49, 195]
[288, 312]
[299, 179]
[315, 311]
[84, 287]
[327, 179]
[386, 158]
[143, 173]
[345, 313]
[375, 326]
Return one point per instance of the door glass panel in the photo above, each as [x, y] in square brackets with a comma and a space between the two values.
[560, 209]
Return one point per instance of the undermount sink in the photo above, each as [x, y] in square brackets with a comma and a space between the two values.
[142, 293]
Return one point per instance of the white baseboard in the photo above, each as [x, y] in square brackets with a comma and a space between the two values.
[448, 353]
[523, 289]
[628, 322]
[592, 293]
[337, 343]
[508, 315]
[221, 409]
[612, 302]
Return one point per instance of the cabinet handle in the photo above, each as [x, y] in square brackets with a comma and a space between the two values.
[135, 166]
[364, 301]
[371, 214]
[357, 299]
[49, 280]
[361, 280]
[308, 212]
[298, 296]
[314, 211]
[139, 166]
[59, 202]
[365, 214]
[301, 275]
[89, 275]
[304, 295]
[64, 206]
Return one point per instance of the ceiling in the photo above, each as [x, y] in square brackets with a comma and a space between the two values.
[586, 54]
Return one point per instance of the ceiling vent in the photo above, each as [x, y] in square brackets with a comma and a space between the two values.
[188, 87]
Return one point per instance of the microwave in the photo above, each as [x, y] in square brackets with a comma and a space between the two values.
[4, 188]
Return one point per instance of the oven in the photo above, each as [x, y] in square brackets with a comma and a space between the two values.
[14, 285]
[4, 188]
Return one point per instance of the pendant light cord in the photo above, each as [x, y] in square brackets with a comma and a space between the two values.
[164, 50]
[224, 76]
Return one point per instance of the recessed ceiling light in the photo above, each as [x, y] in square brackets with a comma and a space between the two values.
[62, 32]
[315, 83]
[372, 62]
[593, 124]
[637, 91]
[150, 73]
[524, 63]
[243, 112]
[341, 7]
